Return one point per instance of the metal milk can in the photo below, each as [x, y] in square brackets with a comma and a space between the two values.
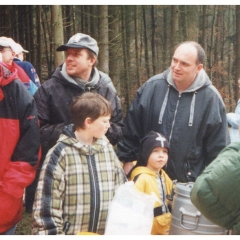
[186, 219]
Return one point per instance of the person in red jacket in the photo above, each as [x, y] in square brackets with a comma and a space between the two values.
[8, 48]
[19, 147]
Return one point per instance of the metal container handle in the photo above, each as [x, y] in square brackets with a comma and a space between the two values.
[184, 212]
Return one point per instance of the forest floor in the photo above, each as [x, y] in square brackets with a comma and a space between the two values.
[24, 226]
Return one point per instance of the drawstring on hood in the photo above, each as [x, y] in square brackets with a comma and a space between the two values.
[190, 123]
[163, 106]
[197, 84]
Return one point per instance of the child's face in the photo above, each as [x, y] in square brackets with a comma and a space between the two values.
[157, 159]
[99, 127]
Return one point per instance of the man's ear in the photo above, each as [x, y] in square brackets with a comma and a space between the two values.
[199, 67]
[93, 60]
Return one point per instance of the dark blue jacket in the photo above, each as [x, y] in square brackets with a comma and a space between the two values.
[30, 71]
[193, 121]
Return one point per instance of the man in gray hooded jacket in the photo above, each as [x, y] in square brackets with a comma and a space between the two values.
[78, 74]
[182, 104]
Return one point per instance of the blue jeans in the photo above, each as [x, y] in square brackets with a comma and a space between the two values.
[9, 231]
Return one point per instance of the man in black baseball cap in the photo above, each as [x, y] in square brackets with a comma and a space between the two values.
[75, 76]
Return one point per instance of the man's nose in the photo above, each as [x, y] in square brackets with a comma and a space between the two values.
[177, 65]
[69, 57]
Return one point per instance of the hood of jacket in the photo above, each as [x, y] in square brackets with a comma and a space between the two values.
[94, 78]
[61, 75]
[140, 170]
[200, 81]
[6, 76]
[68, 138]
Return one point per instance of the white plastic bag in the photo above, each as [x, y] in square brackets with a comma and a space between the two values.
[130, 212]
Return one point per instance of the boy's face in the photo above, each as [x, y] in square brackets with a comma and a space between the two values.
[157, 159]
[99, 127]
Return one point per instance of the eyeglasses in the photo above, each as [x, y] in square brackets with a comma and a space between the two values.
[2, 50]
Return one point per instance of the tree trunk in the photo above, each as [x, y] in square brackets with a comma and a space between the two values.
[31, 31]
[212, 39]
[154, 61]
[165, 38]
[237, 47]
[183, 23]
[68, 21]
[145, 30]
[192, 22]
[204, 27]
[138, 75]
[115, 57]
[125, 86]
[38, 65]
[174, 27]
[57, 28]
[232, 93]
[103, 39]
[94, 21]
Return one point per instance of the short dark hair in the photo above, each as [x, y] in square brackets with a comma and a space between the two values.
[200, 50]
[91, 105]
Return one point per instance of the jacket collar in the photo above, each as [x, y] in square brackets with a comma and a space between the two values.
[201, 80]
[95, 76]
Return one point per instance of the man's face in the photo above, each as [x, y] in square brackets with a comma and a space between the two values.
[7, 55]
[184, 64]
[78, 63]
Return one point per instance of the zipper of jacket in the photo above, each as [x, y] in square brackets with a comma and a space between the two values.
[173, 123]
[164, 194]
[94, 191]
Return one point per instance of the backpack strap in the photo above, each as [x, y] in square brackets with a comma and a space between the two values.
[136, 177]
[157, 210]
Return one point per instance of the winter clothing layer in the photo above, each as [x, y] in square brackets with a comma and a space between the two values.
[19, 148]
[194, 122]
[234, 122]
[54, 99]
[216, 192]
[30, 71]
[32, 88]
[160, 184]
[148, 143]
[76, 185]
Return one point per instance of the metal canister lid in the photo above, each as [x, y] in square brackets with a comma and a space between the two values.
[184, 189]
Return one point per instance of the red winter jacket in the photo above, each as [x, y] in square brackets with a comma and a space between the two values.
[19, 146]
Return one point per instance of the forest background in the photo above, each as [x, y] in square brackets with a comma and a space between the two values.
[135, 41]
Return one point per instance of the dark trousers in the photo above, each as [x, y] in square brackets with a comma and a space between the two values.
[30, 191]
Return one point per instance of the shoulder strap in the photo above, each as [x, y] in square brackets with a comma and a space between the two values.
[136, 177]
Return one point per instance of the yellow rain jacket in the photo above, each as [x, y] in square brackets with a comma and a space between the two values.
[146, 181]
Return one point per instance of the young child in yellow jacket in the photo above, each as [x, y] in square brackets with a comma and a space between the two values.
[149, 177]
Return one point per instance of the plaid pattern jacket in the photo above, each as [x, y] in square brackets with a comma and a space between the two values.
[75, 188]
